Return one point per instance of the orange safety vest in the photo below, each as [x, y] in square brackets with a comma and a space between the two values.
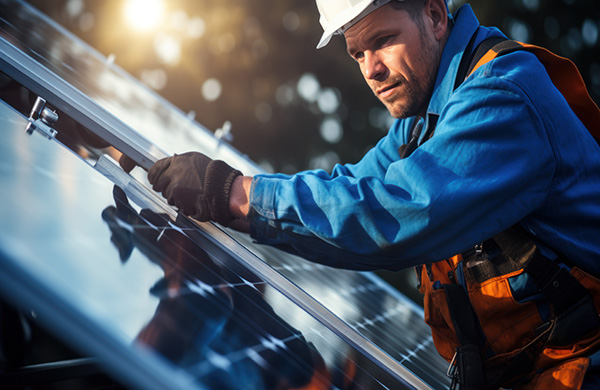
[498, 340]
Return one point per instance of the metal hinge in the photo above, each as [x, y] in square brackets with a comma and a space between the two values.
[42, 118]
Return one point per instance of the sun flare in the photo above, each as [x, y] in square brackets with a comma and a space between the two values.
[143, 15]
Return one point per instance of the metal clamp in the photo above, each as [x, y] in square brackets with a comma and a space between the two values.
[42, 118]
[452, 372]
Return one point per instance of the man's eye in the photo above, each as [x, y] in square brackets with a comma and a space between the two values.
[358, 55]
[383, 40]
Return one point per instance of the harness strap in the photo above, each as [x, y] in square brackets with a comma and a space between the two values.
[406, 150]
[563, 72]
[466, 367]
[468, 62]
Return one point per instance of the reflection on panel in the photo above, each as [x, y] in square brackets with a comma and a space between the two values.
[369, 306]
[143, 279]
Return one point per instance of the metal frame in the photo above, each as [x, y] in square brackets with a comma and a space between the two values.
[68, 99]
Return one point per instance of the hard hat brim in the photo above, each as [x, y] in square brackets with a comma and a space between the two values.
[345, 20]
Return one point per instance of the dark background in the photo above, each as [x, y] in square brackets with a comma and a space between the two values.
[290, 106]
[260, 50]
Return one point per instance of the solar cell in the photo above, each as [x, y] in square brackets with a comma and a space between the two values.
[212, 307]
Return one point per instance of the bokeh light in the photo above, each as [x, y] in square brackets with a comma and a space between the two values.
[589, 30]
[284, 95]
[168, 48]
[324, 161]
[328, 101]
[308, 87]
[254, 63]
[211, 89]
[331, 130]
[291, 21]
[263, 112]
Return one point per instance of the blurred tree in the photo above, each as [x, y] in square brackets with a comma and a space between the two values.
[254, 63]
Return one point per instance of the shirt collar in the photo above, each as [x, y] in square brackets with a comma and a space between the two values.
[465, 25]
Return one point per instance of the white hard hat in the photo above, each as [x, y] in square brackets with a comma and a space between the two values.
[339, 15]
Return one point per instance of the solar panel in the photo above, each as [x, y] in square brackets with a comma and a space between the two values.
[160, 300]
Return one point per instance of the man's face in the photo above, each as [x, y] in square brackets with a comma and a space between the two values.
[398, 57]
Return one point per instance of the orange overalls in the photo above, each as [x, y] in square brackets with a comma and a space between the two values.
[547, 354]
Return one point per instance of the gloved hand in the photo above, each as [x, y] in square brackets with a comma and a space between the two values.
[196, 184]
[126, 163]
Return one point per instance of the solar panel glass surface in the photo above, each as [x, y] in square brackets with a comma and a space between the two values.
[110, 226]
[138, 285]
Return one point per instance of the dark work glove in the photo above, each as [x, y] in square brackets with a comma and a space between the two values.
[126, 163]
[196, 184]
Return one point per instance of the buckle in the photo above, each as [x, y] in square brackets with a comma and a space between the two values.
[452, 372]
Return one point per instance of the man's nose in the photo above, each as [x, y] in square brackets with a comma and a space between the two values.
[374, 68]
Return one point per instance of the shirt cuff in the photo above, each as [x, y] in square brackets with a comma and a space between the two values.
[261, 215]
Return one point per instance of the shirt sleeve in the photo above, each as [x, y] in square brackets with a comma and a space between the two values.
[488, 165]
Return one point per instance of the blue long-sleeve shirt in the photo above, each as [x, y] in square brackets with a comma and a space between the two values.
[506, 149]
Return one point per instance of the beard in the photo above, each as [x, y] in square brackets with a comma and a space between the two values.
[407, 102]
[412, 97]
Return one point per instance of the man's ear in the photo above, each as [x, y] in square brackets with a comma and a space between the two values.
[439, 17]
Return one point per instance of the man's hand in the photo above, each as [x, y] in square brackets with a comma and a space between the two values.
[196, 184]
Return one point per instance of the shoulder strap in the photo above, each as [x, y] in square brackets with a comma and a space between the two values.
[472, 57]
[562, 71]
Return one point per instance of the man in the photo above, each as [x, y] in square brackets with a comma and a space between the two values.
[496, 167]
